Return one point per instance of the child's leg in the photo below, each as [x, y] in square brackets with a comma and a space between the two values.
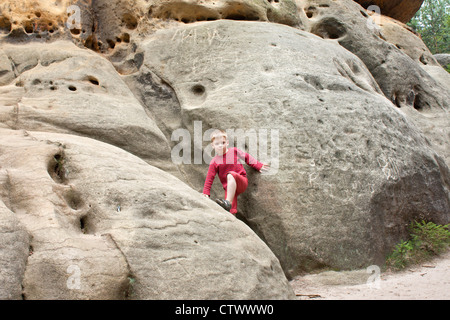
[236, 184]
[231, 187]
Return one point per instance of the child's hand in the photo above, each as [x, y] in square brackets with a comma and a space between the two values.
[264, 168]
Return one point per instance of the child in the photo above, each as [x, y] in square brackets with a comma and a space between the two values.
[231, 172]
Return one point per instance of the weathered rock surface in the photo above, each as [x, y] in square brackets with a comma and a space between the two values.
[409, 77]
[352, 169]
[14, 250]
[361, 112]
[443, 59]
[59, 87]
[401, 10]
[106, 225]
[434, 122]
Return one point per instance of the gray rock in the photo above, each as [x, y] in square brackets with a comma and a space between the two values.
[14, 250]
[443, 59]
[353, 171]
[106, 225]
[59, 87]
[400, 78]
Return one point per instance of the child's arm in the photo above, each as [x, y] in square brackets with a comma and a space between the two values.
[252, 162]
[212, 170]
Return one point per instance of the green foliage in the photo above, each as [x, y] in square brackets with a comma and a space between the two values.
[448, 68]
[427, 240]
[432, 22]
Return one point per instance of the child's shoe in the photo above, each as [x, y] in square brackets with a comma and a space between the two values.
[224, 204]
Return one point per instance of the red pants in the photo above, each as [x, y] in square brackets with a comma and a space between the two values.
[241, 186]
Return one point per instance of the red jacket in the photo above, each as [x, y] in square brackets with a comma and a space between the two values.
[226, 163]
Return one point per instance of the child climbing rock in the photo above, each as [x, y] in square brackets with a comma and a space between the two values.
[230, 170]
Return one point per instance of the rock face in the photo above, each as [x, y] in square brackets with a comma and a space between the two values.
[401, 10]
[350, 164]
[61, 88]
[92, 203]
[443, 59]
[433, 121]
[119, 228]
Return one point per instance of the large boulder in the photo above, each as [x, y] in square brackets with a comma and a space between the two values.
[85, 220]
[434, 122]
[401, 10]
[397, 59]
[59, 87]
[443, 59]
[352, 171]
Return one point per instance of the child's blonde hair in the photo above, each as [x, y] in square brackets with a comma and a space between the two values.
[218, 134]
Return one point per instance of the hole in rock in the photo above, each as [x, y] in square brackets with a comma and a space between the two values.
[28, 26]
[329, 28]
[130, 21]
[311, 12]
[418, 103]
[73, 199]
[240, 16]
[37, 14]
[84, 224]
[72, 88]
[198, 89]
[126, 38]
[111, 43]
[5, 25]
[93, 80]
[75, 31]
[56, 168]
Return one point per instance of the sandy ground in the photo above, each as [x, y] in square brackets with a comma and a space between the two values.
[428, 281]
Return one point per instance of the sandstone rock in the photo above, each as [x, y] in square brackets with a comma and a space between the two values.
[404, 38]
[399, 78]
[96, 222]
[106, 225]
[60, 88]
[47, 20]
[353, 171]
[443, 59]
[399, 61]
[401, 10]
[434, 123]
[14, 250]
[284, 12]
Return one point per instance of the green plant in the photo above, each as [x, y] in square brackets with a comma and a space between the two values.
[432, 22]
[426, 240]
[448, 68]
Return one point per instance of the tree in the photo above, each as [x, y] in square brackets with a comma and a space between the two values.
[432, 22]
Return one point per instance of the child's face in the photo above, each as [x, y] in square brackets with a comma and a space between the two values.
[220, 145]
